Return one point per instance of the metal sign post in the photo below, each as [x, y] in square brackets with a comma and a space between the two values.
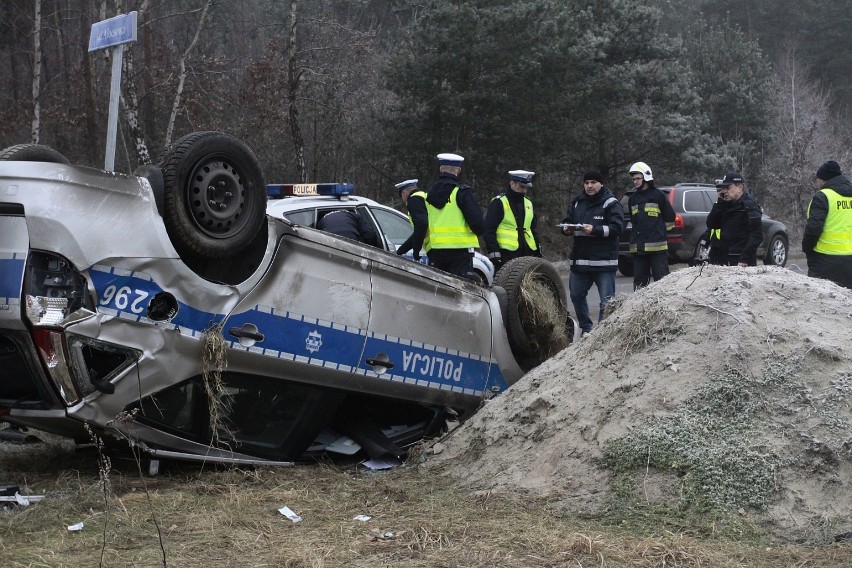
[114, 32]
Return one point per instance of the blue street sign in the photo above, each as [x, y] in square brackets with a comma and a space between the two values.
[115, 31]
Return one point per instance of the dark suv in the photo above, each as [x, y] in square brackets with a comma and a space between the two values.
[688, 240]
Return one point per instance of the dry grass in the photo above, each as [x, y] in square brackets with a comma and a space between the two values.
[229, 518]
[543, 316]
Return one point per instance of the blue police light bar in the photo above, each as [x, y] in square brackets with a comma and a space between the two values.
[281, 190]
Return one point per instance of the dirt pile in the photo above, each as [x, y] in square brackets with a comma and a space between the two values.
[727, 387]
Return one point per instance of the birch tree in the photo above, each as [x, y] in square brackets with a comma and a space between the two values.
[176, 103]
[36, 85]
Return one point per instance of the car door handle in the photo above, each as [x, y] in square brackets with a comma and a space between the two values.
[380, 362]
[246, 333]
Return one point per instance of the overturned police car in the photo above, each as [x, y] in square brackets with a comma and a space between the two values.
[168, 310]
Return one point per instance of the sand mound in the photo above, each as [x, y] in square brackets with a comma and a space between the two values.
[727, 387]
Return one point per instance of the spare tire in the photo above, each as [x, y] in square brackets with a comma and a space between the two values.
[536, 332]
[214, 196]
[32, 153]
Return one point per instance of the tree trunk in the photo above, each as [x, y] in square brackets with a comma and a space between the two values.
[182, 78]
[294, 75]
[130, 102]
[36, 124]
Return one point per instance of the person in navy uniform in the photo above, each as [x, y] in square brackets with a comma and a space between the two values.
[510, 222]
[595, 219]
[651, 217]
[827, 241]
[455, 220]
[350, 224]
[734, 224]
[415, 204]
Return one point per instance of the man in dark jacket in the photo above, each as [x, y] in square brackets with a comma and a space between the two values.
[651, 218]
[827, 241]
[350, 224]
[415, 204]
[455, 220]
[595, 219]
[510, 224]
[734, 224]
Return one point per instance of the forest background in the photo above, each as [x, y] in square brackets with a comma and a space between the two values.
[368, 91]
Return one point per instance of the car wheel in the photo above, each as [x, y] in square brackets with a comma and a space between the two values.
[625, 265]
[702, 250]
[776, 252]
[32, 153]
[534, 335]
[215, 195]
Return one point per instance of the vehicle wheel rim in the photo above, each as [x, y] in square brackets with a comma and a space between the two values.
[217, 198]
[779, 252]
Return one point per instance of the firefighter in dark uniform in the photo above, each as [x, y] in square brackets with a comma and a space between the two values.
[596, 220]
[510, 223]
[734, 223]
[415, 204]
[350, 224]
[651, 218]
[455, 220]
[827, 241]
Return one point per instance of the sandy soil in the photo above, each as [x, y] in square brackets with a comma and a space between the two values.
[723, 385]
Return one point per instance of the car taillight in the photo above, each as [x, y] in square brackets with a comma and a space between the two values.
[55, 292]
[678, 222]
[50, 347]
[56, 295]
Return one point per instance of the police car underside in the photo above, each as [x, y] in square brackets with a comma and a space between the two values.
[102, 322]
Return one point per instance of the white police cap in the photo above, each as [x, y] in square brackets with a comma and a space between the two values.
[450, 160]
[403, 185]
[523, 177]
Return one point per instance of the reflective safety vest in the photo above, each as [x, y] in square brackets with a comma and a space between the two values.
[422, 195]
[448, 228]
[836, 237]
[507, 230]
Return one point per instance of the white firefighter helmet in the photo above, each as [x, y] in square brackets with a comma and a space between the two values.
[644, 169]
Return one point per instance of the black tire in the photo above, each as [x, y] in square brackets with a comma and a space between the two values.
[777, 251]
[215, 196]
[529, 343]
[32, 153]
[625, 265]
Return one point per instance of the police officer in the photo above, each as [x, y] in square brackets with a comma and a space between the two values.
[415, 203]
[510, 223]
[734, 223]
[652, 217]
[827, 241]
[350, 224]
[595, 219]
[455, 219]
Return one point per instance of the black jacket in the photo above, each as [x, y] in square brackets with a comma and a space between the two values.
[651, 215]
[493, 218]
[438, 195]
[818, 211]
[420, 220]
[350, 224]
[739, 230]
[597, 252]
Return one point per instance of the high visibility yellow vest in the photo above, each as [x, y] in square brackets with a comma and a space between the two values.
[507, 230]
[421, 194]
[448, 228]
[836, 237]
